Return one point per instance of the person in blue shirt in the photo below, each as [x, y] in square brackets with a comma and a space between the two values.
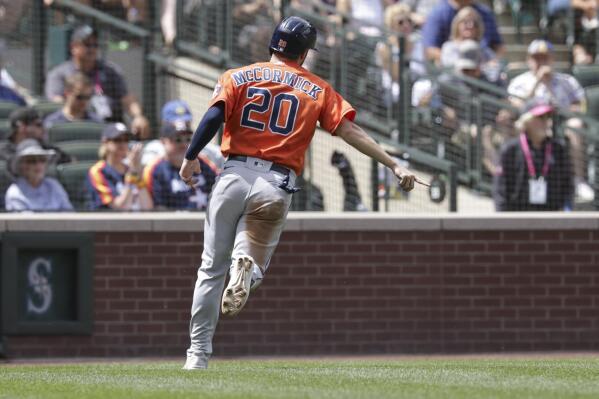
[115, 181]
[9, 95]
[436, 29]
[161, 175]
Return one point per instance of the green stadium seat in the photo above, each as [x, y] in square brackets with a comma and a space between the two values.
[75, 131]
[6, 108]
[5, 181]
[72, 176]
[45, 108]
[592, 95]
[587, 75]
[513, 72]
[81, 150]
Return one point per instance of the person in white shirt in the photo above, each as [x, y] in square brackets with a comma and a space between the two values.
[33, 190]
[562, 91]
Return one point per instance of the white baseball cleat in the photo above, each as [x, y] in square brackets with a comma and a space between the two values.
[238, 290]
[196, 362]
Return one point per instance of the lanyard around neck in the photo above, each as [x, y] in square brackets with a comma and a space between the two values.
[528, 156]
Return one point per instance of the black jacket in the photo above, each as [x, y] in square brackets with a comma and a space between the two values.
[511, 184]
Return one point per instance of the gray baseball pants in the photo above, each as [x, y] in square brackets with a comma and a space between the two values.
[245, 216]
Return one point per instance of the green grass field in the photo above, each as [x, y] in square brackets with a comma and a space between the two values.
[471, 378]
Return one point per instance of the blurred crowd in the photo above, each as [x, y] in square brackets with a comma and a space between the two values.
[532, 168]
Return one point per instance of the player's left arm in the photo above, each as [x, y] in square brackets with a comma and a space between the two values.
[353, 135]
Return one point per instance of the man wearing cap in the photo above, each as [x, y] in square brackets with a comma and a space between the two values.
[110, 95]
[534, 173]
[115, 182]
[177, 112]
[26, 123]
[436, 29]
[32, 190]
[161, 175]
[78, 91]
[542, 83]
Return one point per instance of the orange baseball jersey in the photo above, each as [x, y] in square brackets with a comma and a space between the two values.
[272, 108]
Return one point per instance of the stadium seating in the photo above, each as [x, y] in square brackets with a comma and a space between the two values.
[72, 176]
[592, 94]
[587, 75]
[45, 107]
[6, 108]
[75, 131]
[81, 150]
[4, 129]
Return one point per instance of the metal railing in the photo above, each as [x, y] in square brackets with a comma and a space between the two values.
[109, 23]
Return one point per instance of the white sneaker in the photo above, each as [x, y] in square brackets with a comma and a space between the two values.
[238, 290]
[584, 192]
[196, 362]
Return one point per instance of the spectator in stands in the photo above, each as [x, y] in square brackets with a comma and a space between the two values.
[585, 25]
[420, 9]
[468, 25]
[366, 15]
[19, 94]
[255, 20]
[110, 90]
[78, 91]
[9, 95]
[115, 182]
[436, 29]
[162, 179]
[398, 22]
[495, 135]
[562, 91]
[177, 112]
[534, 172]
[26, 123]
[33, 190]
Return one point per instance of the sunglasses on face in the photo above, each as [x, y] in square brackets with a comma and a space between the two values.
[34, 160]
[119, 140]
[182, 139]
[470, 22]
[35, 123]
[83, 97]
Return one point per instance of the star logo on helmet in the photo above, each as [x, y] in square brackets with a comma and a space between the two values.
[282, 43]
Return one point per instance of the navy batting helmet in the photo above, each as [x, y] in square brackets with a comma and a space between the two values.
[293, 36]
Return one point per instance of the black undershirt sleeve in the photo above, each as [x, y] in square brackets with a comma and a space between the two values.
[209, 125]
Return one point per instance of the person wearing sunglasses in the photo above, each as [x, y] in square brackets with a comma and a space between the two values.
[78, 91]
[161, 176]
[398, 23]
[111, 97]
[33, 190]
[26, 123]
[115, 182]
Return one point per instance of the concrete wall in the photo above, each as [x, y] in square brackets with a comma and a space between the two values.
[342, 283]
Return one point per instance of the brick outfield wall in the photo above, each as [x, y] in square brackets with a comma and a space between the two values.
[351, 292]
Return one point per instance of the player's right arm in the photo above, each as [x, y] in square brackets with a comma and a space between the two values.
[207, 129]
[353, 135]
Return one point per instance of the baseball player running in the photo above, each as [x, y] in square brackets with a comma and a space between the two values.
[270, 111]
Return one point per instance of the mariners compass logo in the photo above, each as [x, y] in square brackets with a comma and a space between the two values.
[39, 290]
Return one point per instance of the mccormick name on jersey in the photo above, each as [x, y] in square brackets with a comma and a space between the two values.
[259, 74]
